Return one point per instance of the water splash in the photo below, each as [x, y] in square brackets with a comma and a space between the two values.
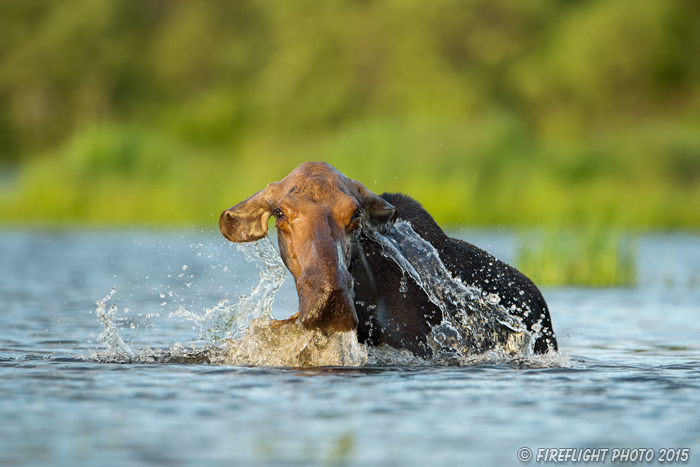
[472, 323]
[475, 330]
[110, 336]
[264, 343]
[226, 320]
[242, 333]
[386, 356]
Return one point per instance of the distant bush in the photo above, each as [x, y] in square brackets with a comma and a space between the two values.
[117, 152]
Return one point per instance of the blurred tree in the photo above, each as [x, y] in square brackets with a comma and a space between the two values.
[528, 97]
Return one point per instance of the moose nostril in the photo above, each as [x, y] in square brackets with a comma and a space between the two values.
[227, 224]
[227, 217]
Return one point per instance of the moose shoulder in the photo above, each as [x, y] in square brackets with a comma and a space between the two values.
[326, 225]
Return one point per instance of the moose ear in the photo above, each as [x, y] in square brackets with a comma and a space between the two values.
[247, 221]
[382, 215]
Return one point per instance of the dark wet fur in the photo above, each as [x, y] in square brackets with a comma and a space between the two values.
[404, 320]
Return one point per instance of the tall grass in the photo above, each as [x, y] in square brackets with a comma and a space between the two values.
[594, 256]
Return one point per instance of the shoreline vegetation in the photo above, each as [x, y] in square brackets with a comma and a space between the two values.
[111, 176]
[121, 175]
[576, 118]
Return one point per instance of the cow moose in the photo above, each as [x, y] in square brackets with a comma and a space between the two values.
[326, 227]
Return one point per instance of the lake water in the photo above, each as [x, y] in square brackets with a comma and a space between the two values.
[628, 375]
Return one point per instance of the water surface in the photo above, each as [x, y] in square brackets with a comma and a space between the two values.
[630, 375]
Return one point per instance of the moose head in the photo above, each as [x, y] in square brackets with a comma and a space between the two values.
[319, 214]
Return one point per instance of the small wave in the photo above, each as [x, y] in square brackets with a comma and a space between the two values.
[176, 354]
[313, 349]
[386, 356]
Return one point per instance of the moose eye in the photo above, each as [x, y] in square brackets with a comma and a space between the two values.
[279, 215]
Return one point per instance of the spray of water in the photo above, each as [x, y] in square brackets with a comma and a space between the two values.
[226, 320]
[291, 345]
[110, 336]
[473, 323]
[475, 329]
[242, 333]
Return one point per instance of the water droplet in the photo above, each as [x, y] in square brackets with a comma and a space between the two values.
[493, 299]
[403, 288]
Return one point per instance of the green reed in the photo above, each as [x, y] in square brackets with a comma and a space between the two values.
[591, 256]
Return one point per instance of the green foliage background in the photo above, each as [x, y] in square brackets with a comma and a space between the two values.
[550, 112]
